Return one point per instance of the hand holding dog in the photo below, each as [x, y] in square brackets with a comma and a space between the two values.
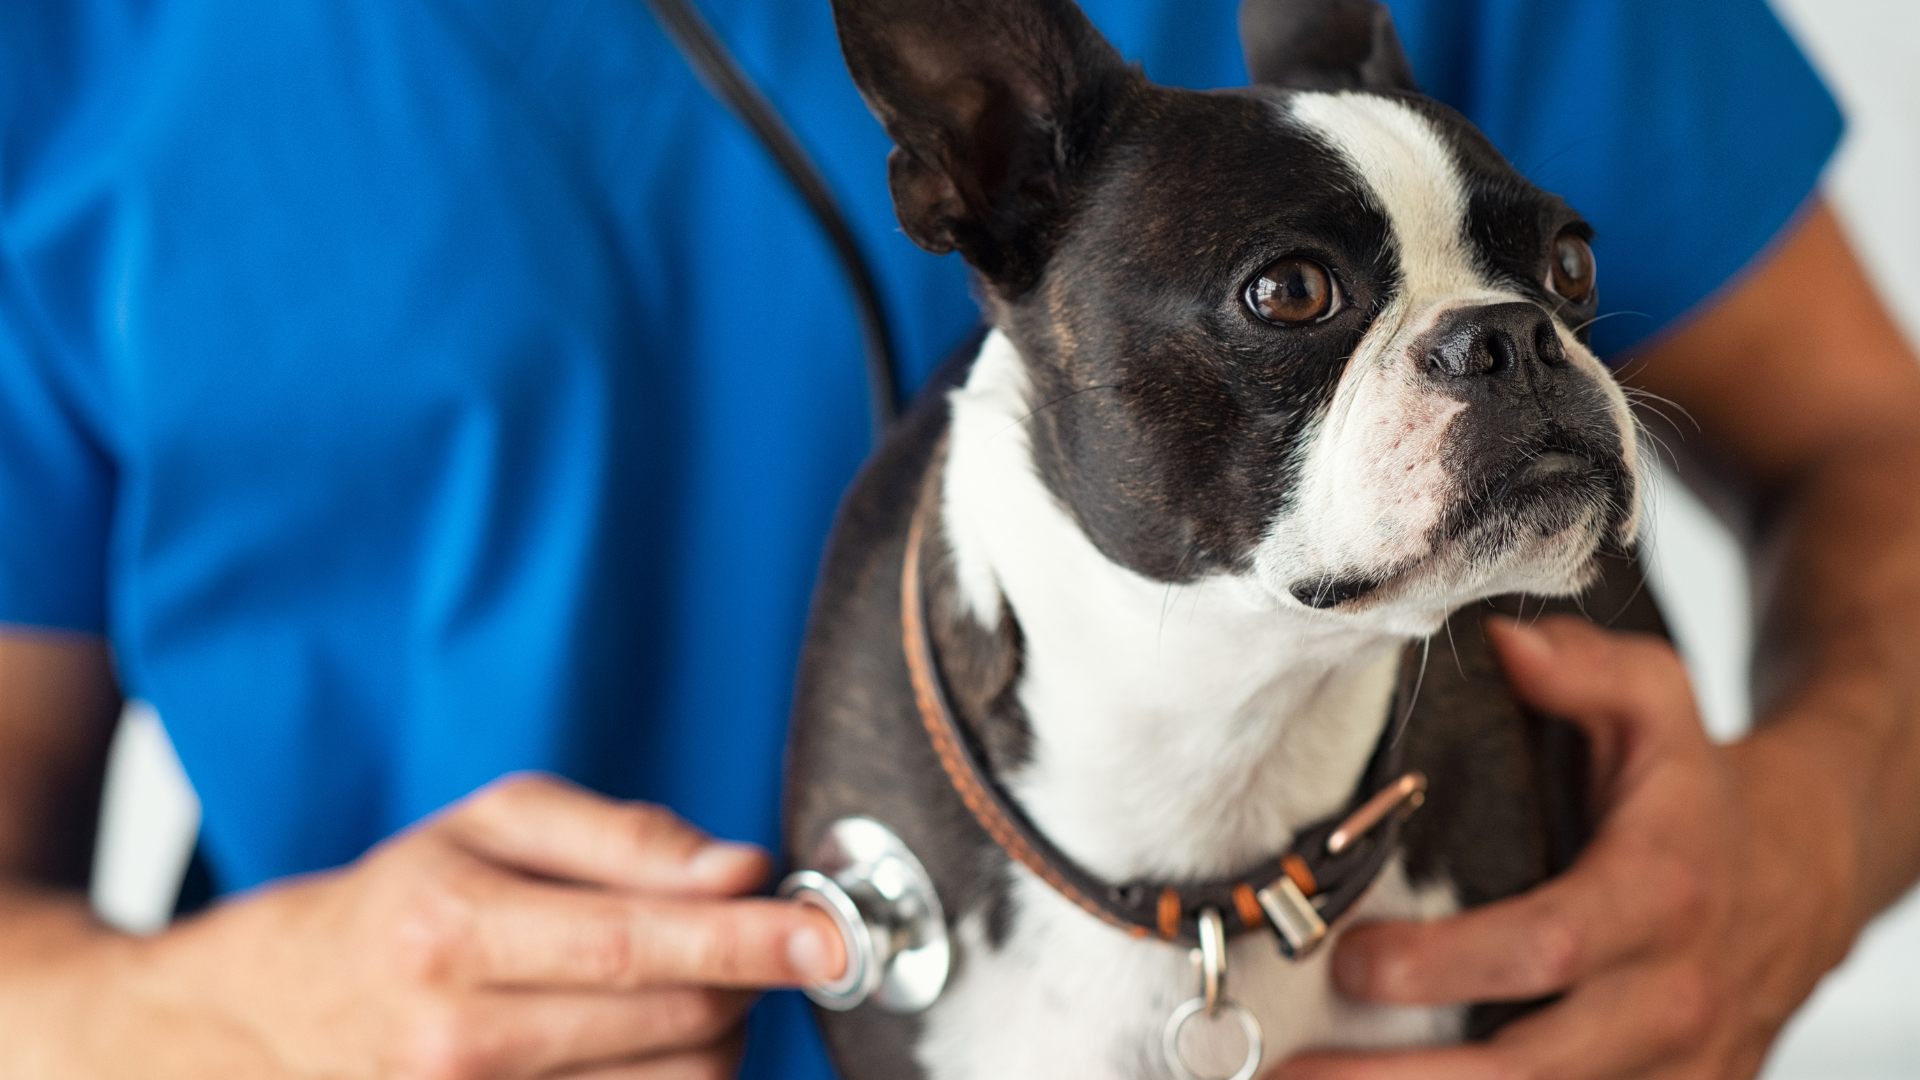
[533, 930]
[1685, 935]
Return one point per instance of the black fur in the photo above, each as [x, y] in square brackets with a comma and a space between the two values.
[1507, 796]
[857, 747]
[1115, 226]
[1546, 448]
[1323, 45]
[1165, 413]
[1506, 807]
[994, 110]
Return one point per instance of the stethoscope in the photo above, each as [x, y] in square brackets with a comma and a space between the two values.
[862, 875]
[728, 82]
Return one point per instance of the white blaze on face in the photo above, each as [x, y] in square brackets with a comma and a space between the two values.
[1373, 482]
[1412, 176]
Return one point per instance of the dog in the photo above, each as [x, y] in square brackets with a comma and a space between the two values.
[1277, 379]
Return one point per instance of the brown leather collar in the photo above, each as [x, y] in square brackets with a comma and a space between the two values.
[1328, 867]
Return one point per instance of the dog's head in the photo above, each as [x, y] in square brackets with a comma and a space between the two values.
[1317, 333]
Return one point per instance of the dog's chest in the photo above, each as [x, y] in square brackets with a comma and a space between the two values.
[1066, 996]
[1179, 732]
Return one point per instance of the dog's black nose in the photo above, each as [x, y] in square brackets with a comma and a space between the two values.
[1495, 340]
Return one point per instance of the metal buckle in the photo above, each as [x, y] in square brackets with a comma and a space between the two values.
[1291, 911]
[1294, 916]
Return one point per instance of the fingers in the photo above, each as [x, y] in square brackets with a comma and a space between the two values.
[1619, 935]
[545, 826]
[1615, 1025]
[1630, 891]
[702, 1066]
[530, 934]
[718, 1063]
[1569, 667]
[526, 1035]
[1471, 958]
[1612, 905]
[1628, 692]
[1612, 1027]
[1453, 1063]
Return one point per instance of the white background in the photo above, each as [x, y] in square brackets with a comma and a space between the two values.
[1864, 1022]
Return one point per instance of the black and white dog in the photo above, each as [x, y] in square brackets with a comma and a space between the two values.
[1278, 378]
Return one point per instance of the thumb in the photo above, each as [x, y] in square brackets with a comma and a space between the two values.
[1626, 691]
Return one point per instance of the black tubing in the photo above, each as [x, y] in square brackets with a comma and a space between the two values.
[723, 78]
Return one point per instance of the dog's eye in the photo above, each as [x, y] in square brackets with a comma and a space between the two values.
[1573, 268]
[1293, 292]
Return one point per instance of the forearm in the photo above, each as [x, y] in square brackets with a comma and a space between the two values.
[52, 950]
[1837, 670]
[78, 999]
[40, 926]
[1802, 383]
[58, 701]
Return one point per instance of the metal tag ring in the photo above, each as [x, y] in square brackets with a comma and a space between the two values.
[1170, 1042]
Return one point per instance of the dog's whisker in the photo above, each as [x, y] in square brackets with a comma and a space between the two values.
[1609, 315]
[1643, 395]
[1670, 422]
[1419, 682]
[1661, 444]
[1454, 646]
[1068, 396]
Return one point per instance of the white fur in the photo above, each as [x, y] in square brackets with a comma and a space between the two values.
[1178, 731]
[1413, 177]
[1372, 483]
[1188, 730]
[1161, 713]
[1068, 996]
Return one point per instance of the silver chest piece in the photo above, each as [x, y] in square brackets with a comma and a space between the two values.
[888, 914]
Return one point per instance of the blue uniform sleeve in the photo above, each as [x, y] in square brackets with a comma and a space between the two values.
[56, 476]
[1689, 134]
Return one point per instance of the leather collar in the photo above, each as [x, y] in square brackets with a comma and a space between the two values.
[1297, 893]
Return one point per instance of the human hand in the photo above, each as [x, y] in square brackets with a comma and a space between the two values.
[1712, 898]
[532, 930]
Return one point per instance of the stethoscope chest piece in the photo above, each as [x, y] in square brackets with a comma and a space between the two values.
[889, 917]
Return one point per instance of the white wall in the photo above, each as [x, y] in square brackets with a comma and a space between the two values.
[1869, 53]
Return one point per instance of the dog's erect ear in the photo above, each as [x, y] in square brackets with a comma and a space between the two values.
[994, 106]
[1323, 45]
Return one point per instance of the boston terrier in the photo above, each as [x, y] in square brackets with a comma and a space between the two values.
[1136, 632]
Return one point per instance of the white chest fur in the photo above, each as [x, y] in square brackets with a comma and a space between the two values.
[1179, 731]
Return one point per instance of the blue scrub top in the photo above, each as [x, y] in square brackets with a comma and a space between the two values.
[419, 390]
